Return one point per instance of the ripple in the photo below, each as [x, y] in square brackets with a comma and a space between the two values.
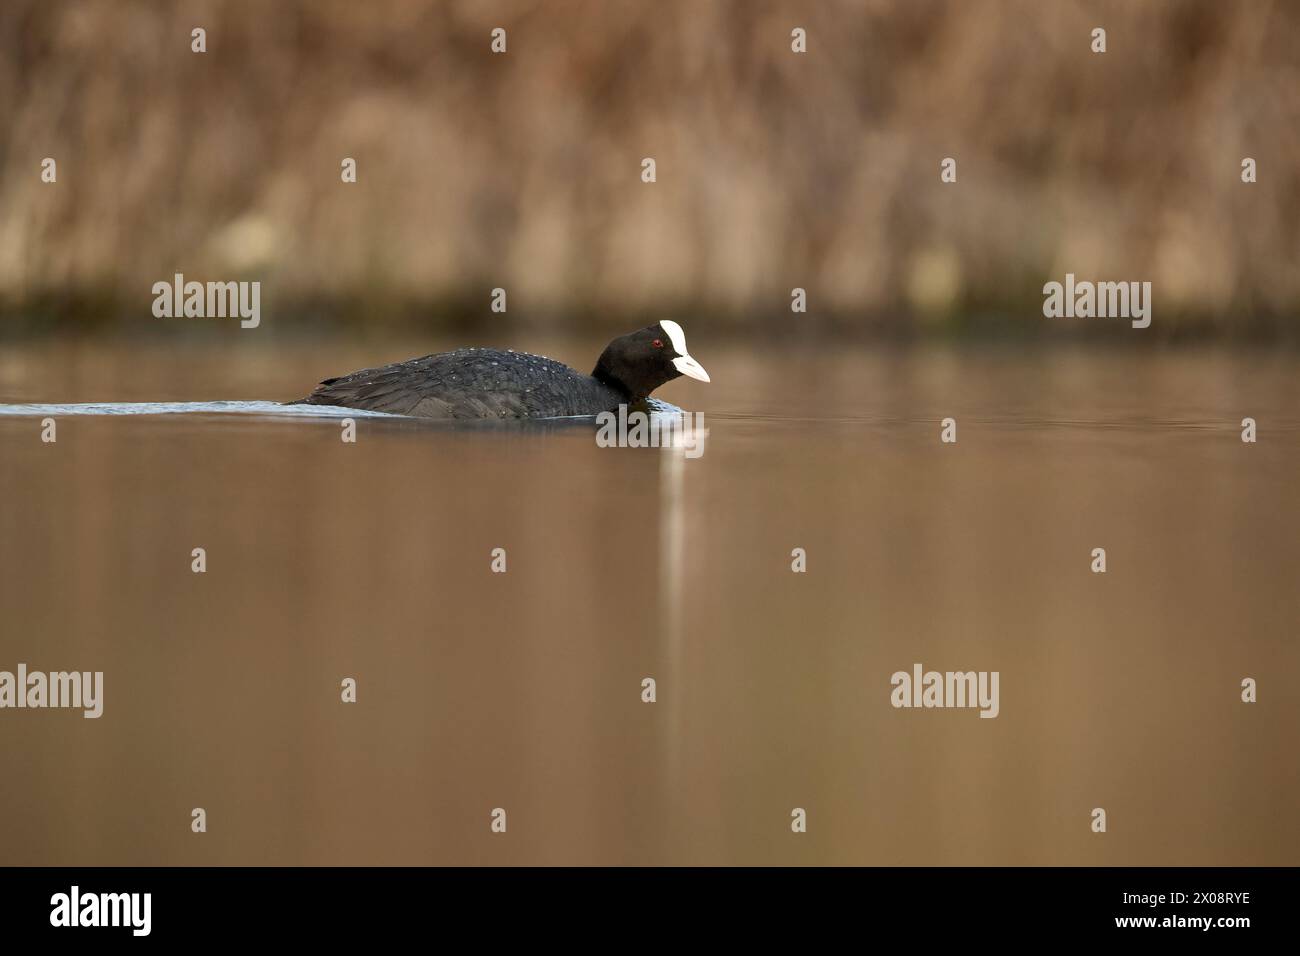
[191, 408]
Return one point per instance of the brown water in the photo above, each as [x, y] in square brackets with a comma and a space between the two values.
[523, 690]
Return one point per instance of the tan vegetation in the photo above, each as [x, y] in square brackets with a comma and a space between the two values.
[775, 170]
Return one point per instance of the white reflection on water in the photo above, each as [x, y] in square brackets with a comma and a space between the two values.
[672, 554]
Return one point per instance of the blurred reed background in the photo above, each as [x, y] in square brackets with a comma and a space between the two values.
[775, 170]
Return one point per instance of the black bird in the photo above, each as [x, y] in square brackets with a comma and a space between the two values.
[492, 383]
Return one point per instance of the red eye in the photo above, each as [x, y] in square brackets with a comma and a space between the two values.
[658, 343]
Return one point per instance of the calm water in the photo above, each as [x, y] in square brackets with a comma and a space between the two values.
[522, 690]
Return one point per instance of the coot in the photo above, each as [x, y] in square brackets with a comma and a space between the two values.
[492, 383]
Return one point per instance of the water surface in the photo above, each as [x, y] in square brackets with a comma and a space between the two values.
[523, 690]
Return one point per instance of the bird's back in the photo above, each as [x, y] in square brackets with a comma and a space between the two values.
[470, 383]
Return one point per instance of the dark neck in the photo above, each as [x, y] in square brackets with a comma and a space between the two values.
[602, 374]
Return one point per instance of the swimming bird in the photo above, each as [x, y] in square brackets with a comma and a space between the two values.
[496, 383]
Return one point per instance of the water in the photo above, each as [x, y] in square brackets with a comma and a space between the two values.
[522, 690]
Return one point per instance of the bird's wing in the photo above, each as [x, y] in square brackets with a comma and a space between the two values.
[467, 383]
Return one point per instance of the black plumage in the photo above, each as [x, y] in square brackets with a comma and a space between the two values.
[475, 383]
